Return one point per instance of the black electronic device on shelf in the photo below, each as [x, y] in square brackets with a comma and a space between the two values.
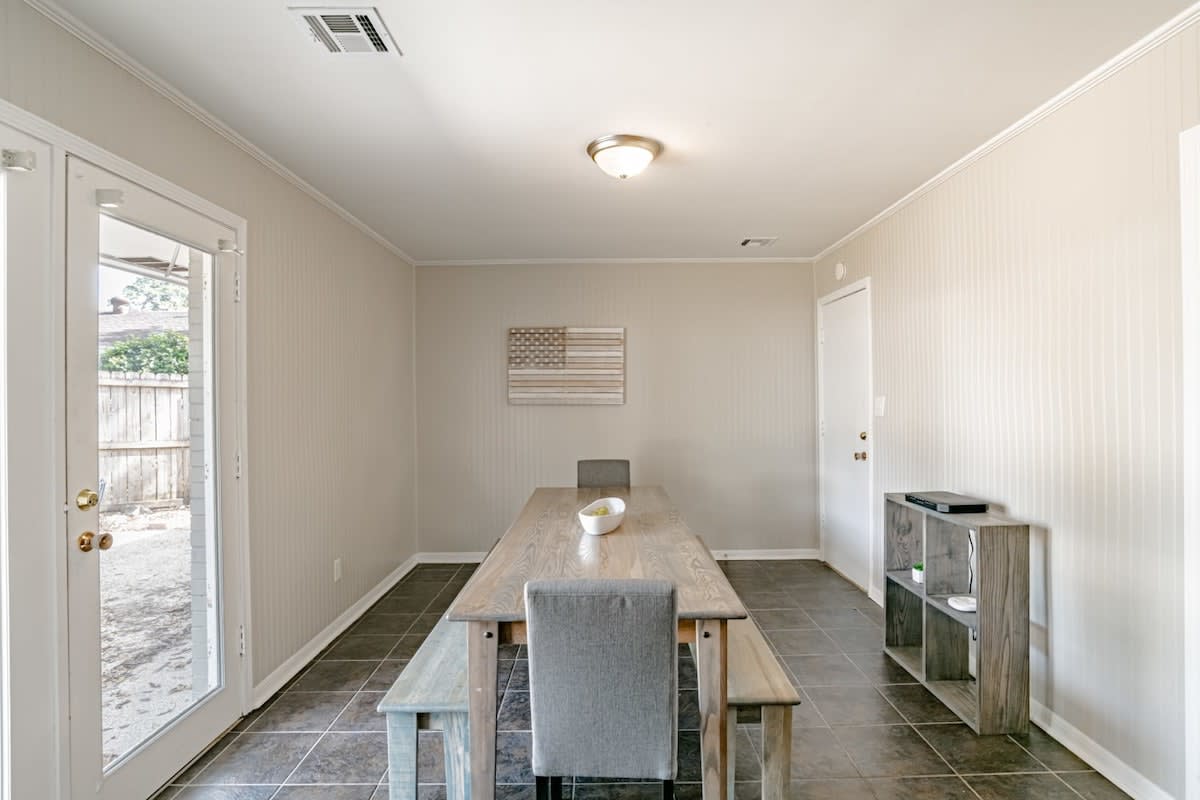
[947, 502]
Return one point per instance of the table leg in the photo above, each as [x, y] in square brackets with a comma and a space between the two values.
[777, 752]
[712, 659]
[483, 639]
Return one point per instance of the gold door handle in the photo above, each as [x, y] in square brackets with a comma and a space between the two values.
[861, 456]
[87, 498]
[89, 540]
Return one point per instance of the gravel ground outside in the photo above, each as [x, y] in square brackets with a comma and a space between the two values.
[146, 633]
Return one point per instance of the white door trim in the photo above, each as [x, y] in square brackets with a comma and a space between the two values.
[1189, 160]
[28, 492]
[50, 638]
[861, 285]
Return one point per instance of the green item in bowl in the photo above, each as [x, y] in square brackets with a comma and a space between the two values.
[602, 511]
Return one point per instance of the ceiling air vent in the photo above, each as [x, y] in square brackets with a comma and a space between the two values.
[759, 241]
[345, 30]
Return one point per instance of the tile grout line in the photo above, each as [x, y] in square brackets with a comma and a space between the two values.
[266, 707]
[928, 743]
[1044, 764]
[333, 722]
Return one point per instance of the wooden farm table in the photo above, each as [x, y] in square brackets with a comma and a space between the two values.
[546, 541]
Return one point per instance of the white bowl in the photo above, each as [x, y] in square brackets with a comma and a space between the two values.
[598, 526]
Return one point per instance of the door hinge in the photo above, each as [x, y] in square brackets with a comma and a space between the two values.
[241, 640]
[18, 160]
[237, 464]
[237, 287]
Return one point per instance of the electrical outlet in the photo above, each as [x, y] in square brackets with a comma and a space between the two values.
[337, 570]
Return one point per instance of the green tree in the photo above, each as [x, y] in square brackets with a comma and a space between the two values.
[159, 353]
[152, 294]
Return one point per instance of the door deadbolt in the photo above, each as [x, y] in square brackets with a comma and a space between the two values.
[89, 540]
[87, 498]
[862, 435]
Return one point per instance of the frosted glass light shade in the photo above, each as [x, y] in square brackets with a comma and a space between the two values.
[623, 155]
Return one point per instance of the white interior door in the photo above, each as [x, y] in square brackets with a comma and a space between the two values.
[152, 575]
[845, 403]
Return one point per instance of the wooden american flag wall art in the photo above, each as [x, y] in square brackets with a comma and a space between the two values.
[566, 366]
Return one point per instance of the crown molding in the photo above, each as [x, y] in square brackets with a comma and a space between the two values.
[104, 47]
[522, 262]
[71, 24]
[1181, 21]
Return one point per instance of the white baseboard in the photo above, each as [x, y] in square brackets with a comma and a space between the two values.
[1128, 779]
[767, 555]
[876, 594]
[288, 669]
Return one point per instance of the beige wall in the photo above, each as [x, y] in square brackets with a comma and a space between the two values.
[719, 396]
[330, 458]
[1027, 337]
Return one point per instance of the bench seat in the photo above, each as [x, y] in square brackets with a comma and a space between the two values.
[430, 694]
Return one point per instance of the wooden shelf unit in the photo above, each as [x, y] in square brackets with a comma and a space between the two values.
[982, 555]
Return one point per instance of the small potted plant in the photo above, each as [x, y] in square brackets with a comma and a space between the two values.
[919, 572]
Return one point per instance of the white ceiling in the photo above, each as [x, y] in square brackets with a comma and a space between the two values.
[799, 118]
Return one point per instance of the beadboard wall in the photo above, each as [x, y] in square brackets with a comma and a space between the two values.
[1027, 338]
[719, 402]
[330, 457]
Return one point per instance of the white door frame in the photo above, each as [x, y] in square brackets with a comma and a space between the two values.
[27, 492]
[861, 285]
[41, 627]
[1189, 160]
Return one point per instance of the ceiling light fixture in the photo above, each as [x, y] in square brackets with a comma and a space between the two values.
[623, 155]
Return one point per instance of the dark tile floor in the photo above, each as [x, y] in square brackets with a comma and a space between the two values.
[865, 730]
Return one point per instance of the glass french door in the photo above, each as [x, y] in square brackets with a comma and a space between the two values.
[154, 619]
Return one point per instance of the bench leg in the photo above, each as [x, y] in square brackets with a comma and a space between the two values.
[777, 752]
[402, 756]
[731, 747]
[456, 742]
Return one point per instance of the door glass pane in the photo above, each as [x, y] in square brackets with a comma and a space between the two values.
[159, 638]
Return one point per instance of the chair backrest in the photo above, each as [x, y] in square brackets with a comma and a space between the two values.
[597, 473]
[603, 665]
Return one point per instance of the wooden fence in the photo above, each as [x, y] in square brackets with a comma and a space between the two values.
[144, 440]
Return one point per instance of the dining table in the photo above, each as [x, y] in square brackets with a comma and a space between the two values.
[547, 541]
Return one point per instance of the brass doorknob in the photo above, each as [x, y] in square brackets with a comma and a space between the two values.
[861, 456]
[89, 540]
[87, 498]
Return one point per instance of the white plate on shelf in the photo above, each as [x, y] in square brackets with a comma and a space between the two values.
[600, 525]
[961, 603]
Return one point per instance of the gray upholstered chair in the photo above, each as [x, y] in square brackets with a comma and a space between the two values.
[602, 681]
[598, 473]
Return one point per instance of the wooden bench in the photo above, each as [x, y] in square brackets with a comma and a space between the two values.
[757, 679]
[430, 694]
